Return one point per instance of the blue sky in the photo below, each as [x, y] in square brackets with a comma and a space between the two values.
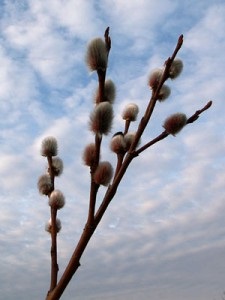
[163, 236]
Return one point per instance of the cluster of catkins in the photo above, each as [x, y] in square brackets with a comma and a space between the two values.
[175, 122]
[102, 115]
[101, 122]
[56, 199]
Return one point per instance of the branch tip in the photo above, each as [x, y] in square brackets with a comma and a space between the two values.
[107, 39]
[107, 32]
[181, 39]
[208, 104]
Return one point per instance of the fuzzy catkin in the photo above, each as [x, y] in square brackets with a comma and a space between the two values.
[117, 144]
[89, 155]
[155, 77]
[164, 92]
[48, 226]
[109, 92]
[56, 199]
[175, 123]
[57, 165]
[130, 112]
[176, 68]
[49, 146]
[103, 173]
[101, 118]
[129, 138]
[44, 184]
[97, 56]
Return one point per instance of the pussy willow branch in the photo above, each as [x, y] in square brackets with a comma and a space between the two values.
[89, 229]
[155, 96]
[150, 108]
[98, 138]
[164, 134]
[53, 211]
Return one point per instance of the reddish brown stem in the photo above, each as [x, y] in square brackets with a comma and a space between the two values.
[107, 40]
[101, 84]
[119, 163]
[164, 134]
[127, 125]
[54, 263]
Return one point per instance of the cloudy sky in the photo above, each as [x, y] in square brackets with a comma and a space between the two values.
[163, 236]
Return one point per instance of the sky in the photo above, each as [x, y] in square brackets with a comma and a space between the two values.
[163, 235]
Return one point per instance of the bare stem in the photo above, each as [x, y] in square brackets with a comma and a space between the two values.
[93, 193]
[195, 116]
[101, 83]
[51, 172]
[164, 134]
[54, 263]
[107, 40]
[127, 125]
[120, 157]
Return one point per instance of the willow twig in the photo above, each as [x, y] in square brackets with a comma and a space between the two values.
[164, 134]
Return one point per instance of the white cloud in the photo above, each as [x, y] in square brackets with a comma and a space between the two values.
[166, 224]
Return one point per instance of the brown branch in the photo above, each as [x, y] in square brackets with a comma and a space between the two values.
[107, 40]
[94, 187]
[155, 95]
[74, 262]
[93, 194]
[164, 134]
[101, 88]
[160, 137]
[127, 125]
[54, 263]
[198, 112]
[51, 173]
[88, 231]
[120, 157]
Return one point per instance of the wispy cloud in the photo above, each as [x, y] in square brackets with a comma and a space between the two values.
[164, 231]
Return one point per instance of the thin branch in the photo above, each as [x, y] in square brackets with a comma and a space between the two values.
[127, 125]
[93, 194]
[198, 112]
[51, 173]
[155, 95]
[120, 157]
[88, 231]
[160, 137]
[164, 134]
[94, 187]
[54, 263]
[98, 138]
[108, 41]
